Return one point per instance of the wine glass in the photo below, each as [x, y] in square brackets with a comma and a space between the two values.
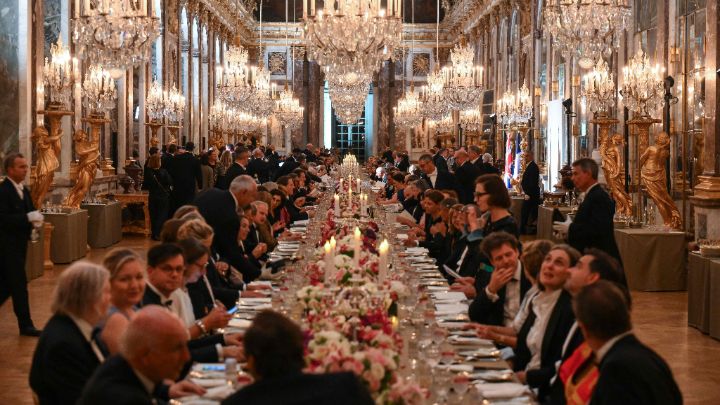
[460, 384]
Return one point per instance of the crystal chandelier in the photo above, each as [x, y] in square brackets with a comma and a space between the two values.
[471, 120]
[58, 74]
[444, 125]
[352, 35]
[288, 110]
[218, 115]
[262, 102]
[116, 33]
[599, 89]
[235, 85]
[98, 88]
[587, 29]
[155, 102]
[409, 111]
[349, 101]
[435, 106]
[463, 80]
[515, 108]
[175, 107]
[642, 89]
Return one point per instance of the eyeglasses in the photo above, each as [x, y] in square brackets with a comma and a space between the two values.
[479, 194]
[171, 269]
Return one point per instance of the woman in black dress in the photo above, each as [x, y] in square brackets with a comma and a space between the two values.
[158, 182]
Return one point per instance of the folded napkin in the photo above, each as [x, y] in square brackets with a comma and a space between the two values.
[450, 309]
[455, 296]
[468, 368]
[452, 325]
[260, 282]
[469, 340]
[240, 323]
[502, 390]
[219, 393]
[492, 375]
[401, 236]
[255, 300]
[301, 222]
[437, 288]
[209, 382]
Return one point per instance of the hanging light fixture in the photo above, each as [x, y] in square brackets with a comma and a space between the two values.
[115, 33]
[235, 86]
[58, 75]
[587, 29]
[98, 88]
[409, 111]
[471, 120]
[515, 108]
[175, 107]
[599, 89]
[435, 106]
[287, 108]
[155, 102]
[463, 80]
[642, 90]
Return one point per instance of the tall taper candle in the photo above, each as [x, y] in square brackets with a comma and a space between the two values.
[337, 206]
[382, 267]
[357, 238]
[328, 263]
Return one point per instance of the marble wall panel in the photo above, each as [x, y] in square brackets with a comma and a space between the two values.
[9, 80]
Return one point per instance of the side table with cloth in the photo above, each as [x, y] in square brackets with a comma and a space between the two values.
[704, 294]
[134, 198]
[545, 222]
[69, 238]
[104, 224]
[35, 256]
[654, 260]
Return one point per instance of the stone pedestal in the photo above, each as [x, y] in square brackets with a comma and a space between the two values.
[706, 204]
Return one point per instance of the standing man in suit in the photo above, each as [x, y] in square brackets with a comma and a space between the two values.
[309, 152]
[154, 349]
[239, 167]
[531, 187]
[630, 372]
[593, 222]
[437, 179]
[221, 208]
[291, 163]
[258, 167]
[17, 219]
[465, 174]
[186, 174]
[440, 159]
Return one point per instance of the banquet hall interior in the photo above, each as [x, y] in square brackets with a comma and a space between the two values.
[100, 97]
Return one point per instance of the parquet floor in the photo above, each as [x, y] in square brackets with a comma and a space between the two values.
[660, 321]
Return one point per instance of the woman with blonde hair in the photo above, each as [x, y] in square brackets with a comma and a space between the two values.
[67, 354]
[127, 286]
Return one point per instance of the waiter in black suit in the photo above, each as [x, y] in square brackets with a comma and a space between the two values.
[593, 222]
[465, 175]
[440, 160]
[630, 372]
[291, 163]
[437, 179]
[220, 209]
[239, 167]
[531, 187]
[186, 174]
[258, 167]
[17, 218]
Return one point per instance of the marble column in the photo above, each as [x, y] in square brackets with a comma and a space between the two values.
[706, 199]
[315, 84]
[384, 115]
[188, 124]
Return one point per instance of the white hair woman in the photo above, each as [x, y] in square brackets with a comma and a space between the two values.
[66, 354]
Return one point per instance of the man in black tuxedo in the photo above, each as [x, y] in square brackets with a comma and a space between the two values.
[440, 159]
[220, 209]
[258, 167]
[291, 163]
[437, 179]
[309, 152]
[500, 289]
[154, 348]
[475, 156]
[465, 174]
[531, 187]
[186, 174]
[593, 222]
[274, 351]
[630, 372]
[487, 167]
[17, 218]
[387, 155]
[239, 166]
[168, 155]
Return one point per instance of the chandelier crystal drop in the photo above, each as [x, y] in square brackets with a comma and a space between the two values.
[587, 29]
[115, 33]
[463, 80]
[599, 89]
[155, 102]
[99, 91]
[352, 35]
[58, 74]
[642, 90]
[175, 106]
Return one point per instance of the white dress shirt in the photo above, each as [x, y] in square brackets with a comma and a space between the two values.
[524, 309]
[185, 307]
[512, 296]
[433, 177]
[86, 329]
[18, 188]
[543, 305]
[174, 306]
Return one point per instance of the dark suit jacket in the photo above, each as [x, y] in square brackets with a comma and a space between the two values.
[184, 169]
[287, 167]
[218, 209]
[440, 163]
[15, 228]
[259, 168]
[593, 223]
[531, 181]
[115, 383]
[487, 168]
[304, 389]
[482, 309]
[631, 373]
[233, 171]
[560, 322]
[466, 176]
[444, 180]
[63, 362]
[556, 395]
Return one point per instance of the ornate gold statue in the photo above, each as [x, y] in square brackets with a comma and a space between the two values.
[48, 150]
[652, 173]
[612, 167]
[87, 149]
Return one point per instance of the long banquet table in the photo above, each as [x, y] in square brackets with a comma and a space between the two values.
[436, 353]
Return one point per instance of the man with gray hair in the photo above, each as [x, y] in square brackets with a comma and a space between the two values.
[487, 165]
[220, 209]
[152, 349]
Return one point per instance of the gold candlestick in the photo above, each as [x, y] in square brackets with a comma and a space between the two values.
[174, 129]
[154, 127]
[612, 164]
[87, 149]
[48, 148]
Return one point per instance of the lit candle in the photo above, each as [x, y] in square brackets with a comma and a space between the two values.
[382, 267]
[333, 245]
[359, 183]
[337, 205]
[328, 261]
[357, 237]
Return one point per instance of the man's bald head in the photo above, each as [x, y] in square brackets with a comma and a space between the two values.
[155, 343]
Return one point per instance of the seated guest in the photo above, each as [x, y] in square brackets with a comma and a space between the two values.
[500, 289]
[438, 179]
[127, 286]
[238, 168]
[261, 222]
[550, 317]
[457, 237]
[256, 216]
[251, 256]
[413, 211]
[630, 372]
[220, 209]
[278, 216]
[67, 354]
[287, 185]
[152, 349]
[432, 235]
[259, 168]
[274, 350]
[492, 197]
[184, 210]
[576, 372]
